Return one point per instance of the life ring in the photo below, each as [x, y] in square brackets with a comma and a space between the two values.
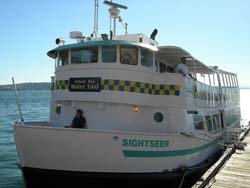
[126, 59]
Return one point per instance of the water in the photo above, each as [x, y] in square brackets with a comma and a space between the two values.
[35, 106]
[245, 105]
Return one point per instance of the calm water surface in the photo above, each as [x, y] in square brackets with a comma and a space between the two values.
[35, 106]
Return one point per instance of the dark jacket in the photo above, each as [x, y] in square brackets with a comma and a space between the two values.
[79, 122]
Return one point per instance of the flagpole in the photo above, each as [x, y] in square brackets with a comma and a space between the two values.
[17, 100]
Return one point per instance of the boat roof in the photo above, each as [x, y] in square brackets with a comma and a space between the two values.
[52, 53]
[171, 55]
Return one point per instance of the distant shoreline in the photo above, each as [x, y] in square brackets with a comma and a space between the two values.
[42, 86]
[27, 86]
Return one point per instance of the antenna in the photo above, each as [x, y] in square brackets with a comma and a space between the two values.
[115, 5]
[125, 25]
[96, 19]
[114, 13]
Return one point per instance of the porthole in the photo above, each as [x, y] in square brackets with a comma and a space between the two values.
[158, 117]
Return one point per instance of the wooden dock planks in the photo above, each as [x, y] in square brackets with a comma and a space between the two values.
[236, 171]
[232, 170]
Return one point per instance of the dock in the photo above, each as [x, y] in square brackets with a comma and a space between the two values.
[231, 170]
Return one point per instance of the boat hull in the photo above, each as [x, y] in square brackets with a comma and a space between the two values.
[57, 178]
[61, 157]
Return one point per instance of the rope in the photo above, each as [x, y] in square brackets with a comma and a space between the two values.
[182, 179]
[210, 183]
[204, 139]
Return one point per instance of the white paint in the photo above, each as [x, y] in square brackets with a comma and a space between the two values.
[96, 151]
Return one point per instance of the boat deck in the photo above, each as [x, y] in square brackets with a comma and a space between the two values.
[231, 170]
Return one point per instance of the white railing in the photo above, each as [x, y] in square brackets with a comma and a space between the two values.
[231, 135]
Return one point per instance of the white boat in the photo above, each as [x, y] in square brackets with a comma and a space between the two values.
[144, 121]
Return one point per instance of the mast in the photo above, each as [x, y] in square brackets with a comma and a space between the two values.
[95, 33]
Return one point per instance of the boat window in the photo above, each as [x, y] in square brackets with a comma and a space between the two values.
[109, 54]
[236, 114]
[62, 58]
[170, 69]
[198, 122]
[230, 80]
[146, 58]
[163, 67]
[212, 79]
[203, 78]
[222, 80]
[158, 117]
[216, 123]
[206, 79]
[200, 77]
[209, 123]
[227, 81]
[228, 117]
[166, 68]
[233, 80]
[156, 66]
[129, 55]
[232, 116]
[86, 55]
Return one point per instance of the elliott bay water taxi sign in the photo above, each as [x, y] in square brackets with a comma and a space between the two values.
[84, 84]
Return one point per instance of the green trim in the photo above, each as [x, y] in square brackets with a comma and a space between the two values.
[172, 153]
[100, 43]
[97, 43]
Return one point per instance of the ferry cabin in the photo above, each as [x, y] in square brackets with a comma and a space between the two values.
[129, 84]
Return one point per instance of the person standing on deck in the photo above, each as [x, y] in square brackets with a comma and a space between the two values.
[79, 121]
[183, 68]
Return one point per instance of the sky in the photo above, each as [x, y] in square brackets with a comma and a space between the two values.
[217, 32]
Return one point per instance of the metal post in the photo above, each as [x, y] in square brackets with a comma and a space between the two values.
[237, 83]
[209, 79]
[96, 19]
[110, 23]
[194, 67]
[126, 28]
[220, 87]
[222, 75]
[114, 26]
[17, 100]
